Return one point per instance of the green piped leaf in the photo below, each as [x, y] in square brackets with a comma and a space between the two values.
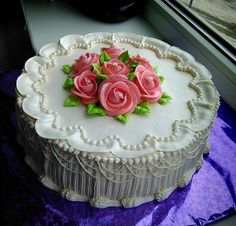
[104, 57]
[124, 57]
[165, 98]
[146, 105]
[131, 76]
[66, 68]
[143, 108]
[69, 83]
[161, 79]
[100, 78]
[71, 101]
[133, 66]
[96, 68]
[94, 110]
[123, 118]
[156, 69]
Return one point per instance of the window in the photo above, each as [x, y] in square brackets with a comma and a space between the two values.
[218, 17]
[185, 27]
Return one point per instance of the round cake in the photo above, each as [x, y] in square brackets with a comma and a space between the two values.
[116, 119]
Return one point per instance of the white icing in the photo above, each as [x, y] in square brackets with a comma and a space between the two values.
[24, 84]
[168, 128]
[167, 174]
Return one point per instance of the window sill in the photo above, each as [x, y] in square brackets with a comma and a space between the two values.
[46, 22]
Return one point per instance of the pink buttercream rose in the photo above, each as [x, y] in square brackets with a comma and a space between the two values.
[114, 51]
[85, 87]
[114, 67]
[143, 61]
[148, 84]
[84, 63]
[118, 95]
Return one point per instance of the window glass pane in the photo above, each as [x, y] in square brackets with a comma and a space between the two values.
[218, 15]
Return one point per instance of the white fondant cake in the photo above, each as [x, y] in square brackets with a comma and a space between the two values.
[99, 159]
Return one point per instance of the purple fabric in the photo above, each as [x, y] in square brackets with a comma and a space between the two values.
[210, 196]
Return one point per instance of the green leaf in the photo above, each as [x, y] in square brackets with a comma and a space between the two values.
[100, 78]
[94, 110]
[104, 57]
[123, 118]
[161, 79]
[156, 68]
[165, 98]
[146, 105]
[69, 83]
[66, 68]
[96, 68]
[143, 108]
[133, 66]
[124, 57]
[90, 107]
[71, 101]
[131, 76]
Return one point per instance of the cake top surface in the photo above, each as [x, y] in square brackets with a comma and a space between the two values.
[167, 128]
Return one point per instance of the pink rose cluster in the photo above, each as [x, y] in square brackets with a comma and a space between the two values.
[126, 81]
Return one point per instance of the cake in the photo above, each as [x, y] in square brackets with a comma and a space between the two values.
[114, 119]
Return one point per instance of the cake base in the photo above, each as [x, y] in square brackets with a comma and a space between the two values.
[89, 183]
[102, 202]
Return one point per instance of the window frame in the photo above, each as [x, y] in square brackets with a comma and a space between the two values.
[215, 39]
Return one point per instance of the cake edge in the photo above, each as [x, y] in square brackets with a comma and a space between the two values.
[184, 61]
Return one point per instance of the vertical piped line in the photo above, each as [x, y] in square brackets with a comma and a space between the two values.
[143, 40]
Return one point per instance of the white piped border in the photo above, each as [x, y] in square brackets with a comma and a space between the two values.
[185, 132]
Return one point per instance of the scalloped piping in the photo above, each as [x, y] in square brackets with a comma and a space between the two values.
[157, 155]
[170, 162]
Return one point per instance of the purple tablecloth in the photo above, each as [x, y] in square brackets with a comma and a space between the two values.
[210, 196]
